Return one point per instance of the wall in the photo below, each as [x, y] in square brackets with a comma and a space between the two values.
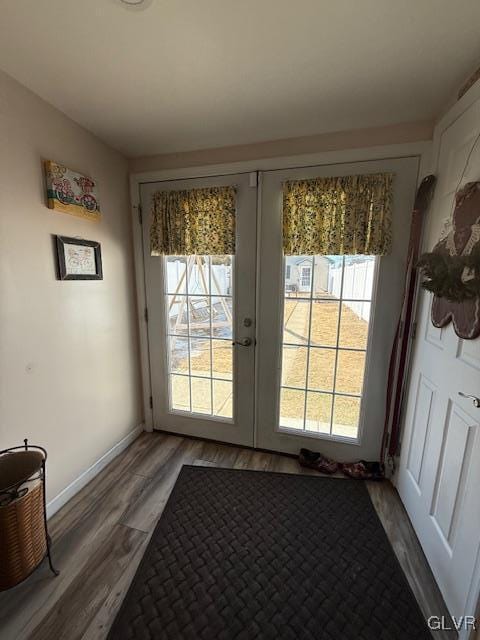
[69, 362]
[336, 141]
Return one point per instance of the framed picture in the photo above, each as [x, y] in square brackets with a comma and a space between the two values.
[78, 259]
[71, 192]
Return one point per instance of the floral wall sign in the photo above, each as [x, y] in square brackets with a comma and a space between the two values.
[71, 192]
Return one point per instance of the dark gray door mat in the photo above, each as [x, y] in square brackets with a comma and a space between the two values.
[257, 555]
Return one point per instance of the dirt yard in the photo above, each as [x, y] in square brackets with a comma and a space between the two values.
[324, 326]
[350, 366]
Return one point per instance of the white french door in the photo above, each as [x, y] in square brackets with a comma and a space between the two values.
[202, 384]
[325, 327]
[308, 366]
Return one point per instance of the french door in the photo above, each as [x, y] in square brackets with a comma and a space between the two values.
[307, 365]
[326, 326]
[201, 326]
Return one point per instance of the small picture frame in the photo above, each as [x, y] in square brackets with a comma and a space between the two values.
[78, 259]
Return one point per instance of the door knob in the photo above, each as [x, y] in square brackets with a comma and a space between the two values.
[475, 400]
[243, 342]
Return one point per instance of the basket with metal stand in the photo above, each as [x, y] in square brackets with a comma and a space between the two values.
[24, 540]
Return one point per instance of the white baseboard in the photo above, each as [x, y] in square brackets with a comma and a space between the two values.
[84, 478]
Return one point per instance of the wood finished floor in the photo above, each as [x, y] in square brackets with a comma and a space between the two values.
[100, 535]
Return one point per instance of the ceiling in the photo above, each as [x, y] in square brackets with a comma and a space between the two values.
[191, 74]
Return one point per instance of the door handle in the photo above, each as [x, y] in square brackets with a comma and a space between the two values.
[243, 342]
[475, 400]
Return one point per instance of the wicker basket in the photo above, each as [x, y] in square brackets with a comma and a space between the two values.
[23, 538]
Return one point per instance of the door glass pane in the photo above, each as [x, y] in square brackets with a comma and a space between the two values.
[319, 412]
[222, 316]
[200, 328]
[177, 315]
[358, 277]
[180, 392]
[296, 318]
[199, 315]
[298, 276]
[324, 323]
[321, 369]
[292, 407]
[176, 267]
[327, 280]
[201, 395]
[222, 359]
[223, 398]
[354, 324]
[178, 354]
[327, 310]
[350, 371]
[222, 275]
[294, 366]
[200, 360]
[198, 275]
[346, 414]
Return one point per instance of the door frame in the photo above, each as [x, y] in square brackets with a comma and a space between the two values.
[420, 150]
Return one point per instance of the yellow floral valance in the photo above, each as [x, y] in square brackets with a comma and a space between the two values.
[193, 221]
[344, 215]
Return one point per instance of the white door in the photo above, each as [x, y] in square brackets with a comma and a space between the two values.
[325, 328]
[305, 280]
[202, 384]
[439, 475]
[316, 358]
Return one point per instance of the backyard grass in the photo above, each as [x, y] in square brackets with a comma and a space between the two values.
[353, 333]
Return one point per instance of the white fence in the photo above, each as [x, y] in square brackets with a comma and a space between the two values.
[357, 283]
